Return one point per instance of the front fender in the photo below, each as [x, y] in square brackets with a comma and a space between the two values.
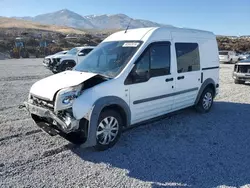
[93, 112]
[83, 104]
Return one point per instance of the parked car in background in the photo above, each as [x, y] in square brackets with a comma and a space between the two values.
[61, 62]
[228, 57]
[131, 77]
[241, 72]
[244, 56]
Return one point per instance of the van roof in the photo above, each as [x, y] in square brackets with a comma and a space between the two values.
[139, 34]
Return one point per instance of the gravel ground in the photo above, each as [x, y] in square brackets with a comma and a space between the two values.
[185, 150]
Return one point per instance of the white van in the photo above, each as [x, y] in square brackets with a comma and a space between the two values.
[131, 77]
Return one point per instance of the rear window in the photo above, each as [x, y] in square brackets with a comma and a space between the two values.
[223, 53]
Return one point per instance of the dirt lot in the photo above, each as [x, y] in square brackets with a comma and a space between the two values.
[184, 150]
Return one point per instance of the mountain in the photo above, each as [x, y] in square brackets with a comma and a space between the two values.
[63, 18]
[9, 23]
[69, 18]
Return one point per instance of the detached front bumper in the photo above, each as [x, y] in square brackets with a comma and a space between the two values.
[66, 125]
[241, 76]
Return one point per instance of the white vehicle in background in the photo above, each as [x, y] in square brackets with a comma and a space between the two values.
[228, 57]
[131, 77]
[244, 56]
[61, 62]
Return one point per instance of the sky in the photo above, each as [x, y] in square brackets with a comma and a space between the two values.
[223, 17]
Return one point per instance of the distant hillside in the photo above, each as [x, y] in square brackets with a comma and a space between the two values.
[71, 19]
[17, 23]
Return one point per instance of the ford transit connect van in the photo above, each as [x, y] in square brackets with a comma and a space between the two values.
[129, 78]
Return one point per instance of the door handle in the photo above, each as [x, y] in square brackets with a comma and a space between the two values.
[180, 77]
[169, 79]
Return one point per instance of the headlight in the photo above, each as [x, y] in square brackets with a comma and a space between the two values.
[66, 97]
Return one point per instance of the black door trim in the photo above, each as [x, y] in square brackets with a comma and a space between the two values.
[164, 96]
[208, 68]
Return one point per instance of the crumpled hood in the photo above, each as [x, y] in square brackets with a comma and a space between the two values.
[47, 87]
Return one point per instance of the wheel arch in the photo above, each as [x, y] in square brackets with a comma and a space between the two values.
[207, 83]
[109, 102]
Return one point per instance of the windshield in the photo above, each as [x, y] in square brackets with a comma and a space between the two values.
[109, 58]
[73, 51]
[223, 53]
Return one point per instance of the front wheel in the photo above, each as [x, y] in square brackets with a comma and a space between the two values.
[66, 66]
[206, 101]
[108, 129]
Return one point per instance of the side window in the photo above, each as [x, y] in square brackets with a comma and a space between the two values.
[188, 58]
[140, 72]
[159, 59]
[86, 51]
[143, 63]
[155, 61]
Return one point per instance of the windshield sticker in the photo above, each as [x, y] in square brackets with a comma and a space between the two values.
[131, 44]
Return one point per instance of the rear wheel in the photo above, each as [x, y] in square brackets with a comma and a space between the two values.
[206, 101]
[239, 82]
[231, 61]
[108, 130]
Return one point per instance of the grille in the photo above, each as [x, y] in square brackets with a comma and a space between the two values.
[243, 69]
[43, 103]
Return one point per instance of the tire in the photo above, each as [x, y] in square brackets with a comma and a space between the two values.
[54, 71]
[206, 101]
[66, 66]
[105, 142]
[231, 61]
[239, 82]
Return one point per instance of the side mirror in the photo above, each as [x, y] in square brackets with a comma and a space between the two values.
[140, 76]
[81, 54]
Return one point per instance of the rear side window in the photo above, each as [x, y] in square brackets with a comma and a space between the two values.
[188, 57]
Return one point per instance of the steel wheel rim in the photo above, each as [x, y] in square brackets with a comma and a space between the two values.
[107, 130]
[207, 100]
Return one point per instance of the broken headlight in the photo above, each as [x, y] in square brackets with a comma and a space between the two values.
[65, 97]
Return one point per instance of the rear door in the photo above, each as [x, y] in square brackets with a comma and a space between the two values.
[151, 83]
[188, 77]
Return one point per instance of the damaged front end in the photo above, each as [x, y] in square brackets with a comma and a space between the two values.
[61, 122]
[56, 116]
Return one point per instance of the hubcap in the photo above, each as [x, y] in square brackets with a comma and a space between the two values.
[207, 101]
[107, 130]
